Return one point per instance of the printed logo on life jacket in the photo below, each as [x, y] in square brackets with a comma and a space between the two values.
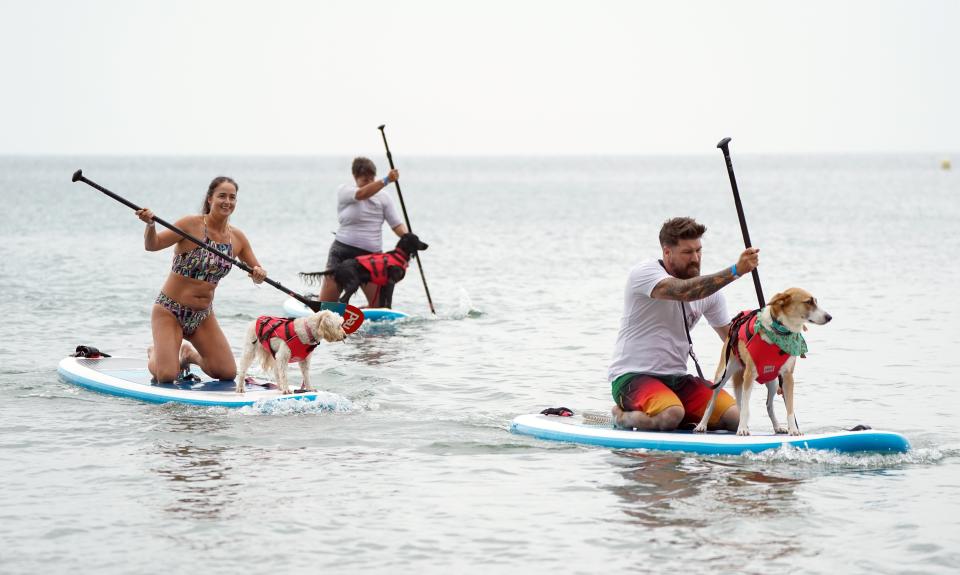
[769, 369]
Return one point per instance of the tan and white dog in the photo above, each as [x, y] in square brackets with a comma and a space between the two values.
[778, 324]
[275, 342]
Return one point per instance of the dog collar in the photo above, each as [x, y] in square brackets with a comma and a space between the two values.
[790, 343]
[313, 338]
[779, 327]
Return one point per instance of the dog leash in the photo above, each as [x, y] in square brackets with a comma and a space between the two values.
[686, 329]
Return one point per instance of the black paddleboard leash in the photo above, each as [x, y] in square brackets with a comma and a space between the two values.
[88, 351]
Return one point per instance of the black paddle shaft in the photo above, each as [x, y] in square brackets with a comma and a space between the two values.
[313, 305]
[724, 145]
[406, 218]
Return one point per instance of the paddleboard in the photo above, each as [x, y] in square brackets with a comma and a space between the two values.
[129, 377]
[294, 308]
[577, 430]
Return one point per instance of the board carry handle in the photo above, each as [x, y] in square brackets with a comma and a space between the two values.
[352, 316]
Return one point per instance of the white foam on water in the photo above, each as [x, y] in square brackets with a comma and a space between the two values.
[837, 460]
[324, 402]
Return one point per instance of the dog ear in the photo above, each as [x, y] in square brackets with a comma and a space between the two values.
[779, 301]
[331, 330]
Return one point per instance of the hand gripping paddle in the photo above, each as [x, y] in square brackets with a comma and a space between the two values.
[352, 316]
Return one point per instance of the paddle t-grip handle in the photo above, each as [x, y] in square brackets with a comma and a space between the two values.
[724, 146]
[406, 218]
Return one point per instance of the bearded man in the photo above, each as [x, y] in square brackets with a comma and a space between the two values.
[663, 300]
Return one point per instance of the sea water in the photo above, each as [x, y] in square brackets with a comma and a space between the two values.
[417, 471]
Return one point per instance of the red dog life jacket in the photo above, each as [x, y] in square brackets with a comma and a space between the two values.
[767, 357]
[270, 327]
[377, 264]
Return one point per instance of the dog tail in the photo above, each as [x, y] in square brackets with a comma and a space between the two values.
[313, 278]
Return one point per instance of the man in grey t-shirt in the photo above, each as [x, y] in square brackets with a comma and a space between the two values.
[648, 371]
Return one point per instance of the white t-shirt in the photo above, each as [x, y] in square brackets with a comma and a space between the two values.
[361, 221]
[652, 338]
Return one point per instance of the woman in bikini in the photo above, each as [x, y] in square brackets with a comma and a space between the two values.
[183, 310]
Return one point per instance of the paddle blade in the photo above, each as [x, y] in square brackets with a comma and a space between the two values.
[352, 316]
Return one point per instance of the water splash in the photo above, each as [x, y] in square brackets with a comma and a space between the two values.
[840, 461]
[324, 402]
[465, 307]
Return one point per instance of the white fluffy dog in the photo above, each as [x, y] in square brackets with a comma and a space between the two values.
[276, 341]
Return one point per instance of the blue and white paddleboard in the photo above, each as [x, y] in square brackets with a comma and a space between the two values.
[294, 308]
[129, 377]
[576, 430]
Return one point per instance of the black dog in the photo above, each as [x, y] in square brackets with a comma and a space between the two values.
[383, 269]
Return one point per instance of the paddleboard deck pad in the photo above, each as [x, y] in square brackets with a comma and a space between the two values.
[599, 431]
[295, 308]
[129, 377]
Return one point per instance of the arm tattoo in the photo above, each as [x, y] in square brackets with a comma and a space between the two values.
[692, 289]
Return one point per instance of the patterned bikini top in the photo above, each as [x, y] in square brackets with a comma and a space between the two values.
[200, 264]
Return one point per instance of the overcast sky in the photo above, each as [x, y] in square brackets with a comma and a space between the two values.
[482, 77]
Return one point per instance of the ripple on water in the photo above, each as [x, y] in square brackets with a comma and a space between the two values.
[410, 463]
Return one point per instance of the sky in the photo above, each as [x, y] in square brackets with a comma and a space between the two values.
[490, 77]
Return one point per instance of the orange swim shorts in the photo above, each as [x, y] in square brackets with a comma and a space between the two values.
[651, 395]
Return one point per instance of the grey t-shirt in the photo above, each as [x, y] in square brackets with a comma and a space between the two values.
[361, 221]
[651, 337]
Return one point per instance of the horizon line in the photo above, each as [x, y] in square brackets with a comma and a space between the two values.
[459, 155]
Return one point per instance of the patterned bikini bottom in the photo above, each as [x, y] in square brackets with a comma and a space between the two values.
[188, 318]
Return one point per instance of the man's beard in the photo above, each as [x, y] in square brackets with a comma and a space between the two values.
[691, 271]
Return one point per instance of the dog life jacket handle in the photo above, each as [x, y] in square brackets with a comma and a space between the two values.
[732, 333]
[737, 321]
[269, 327]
